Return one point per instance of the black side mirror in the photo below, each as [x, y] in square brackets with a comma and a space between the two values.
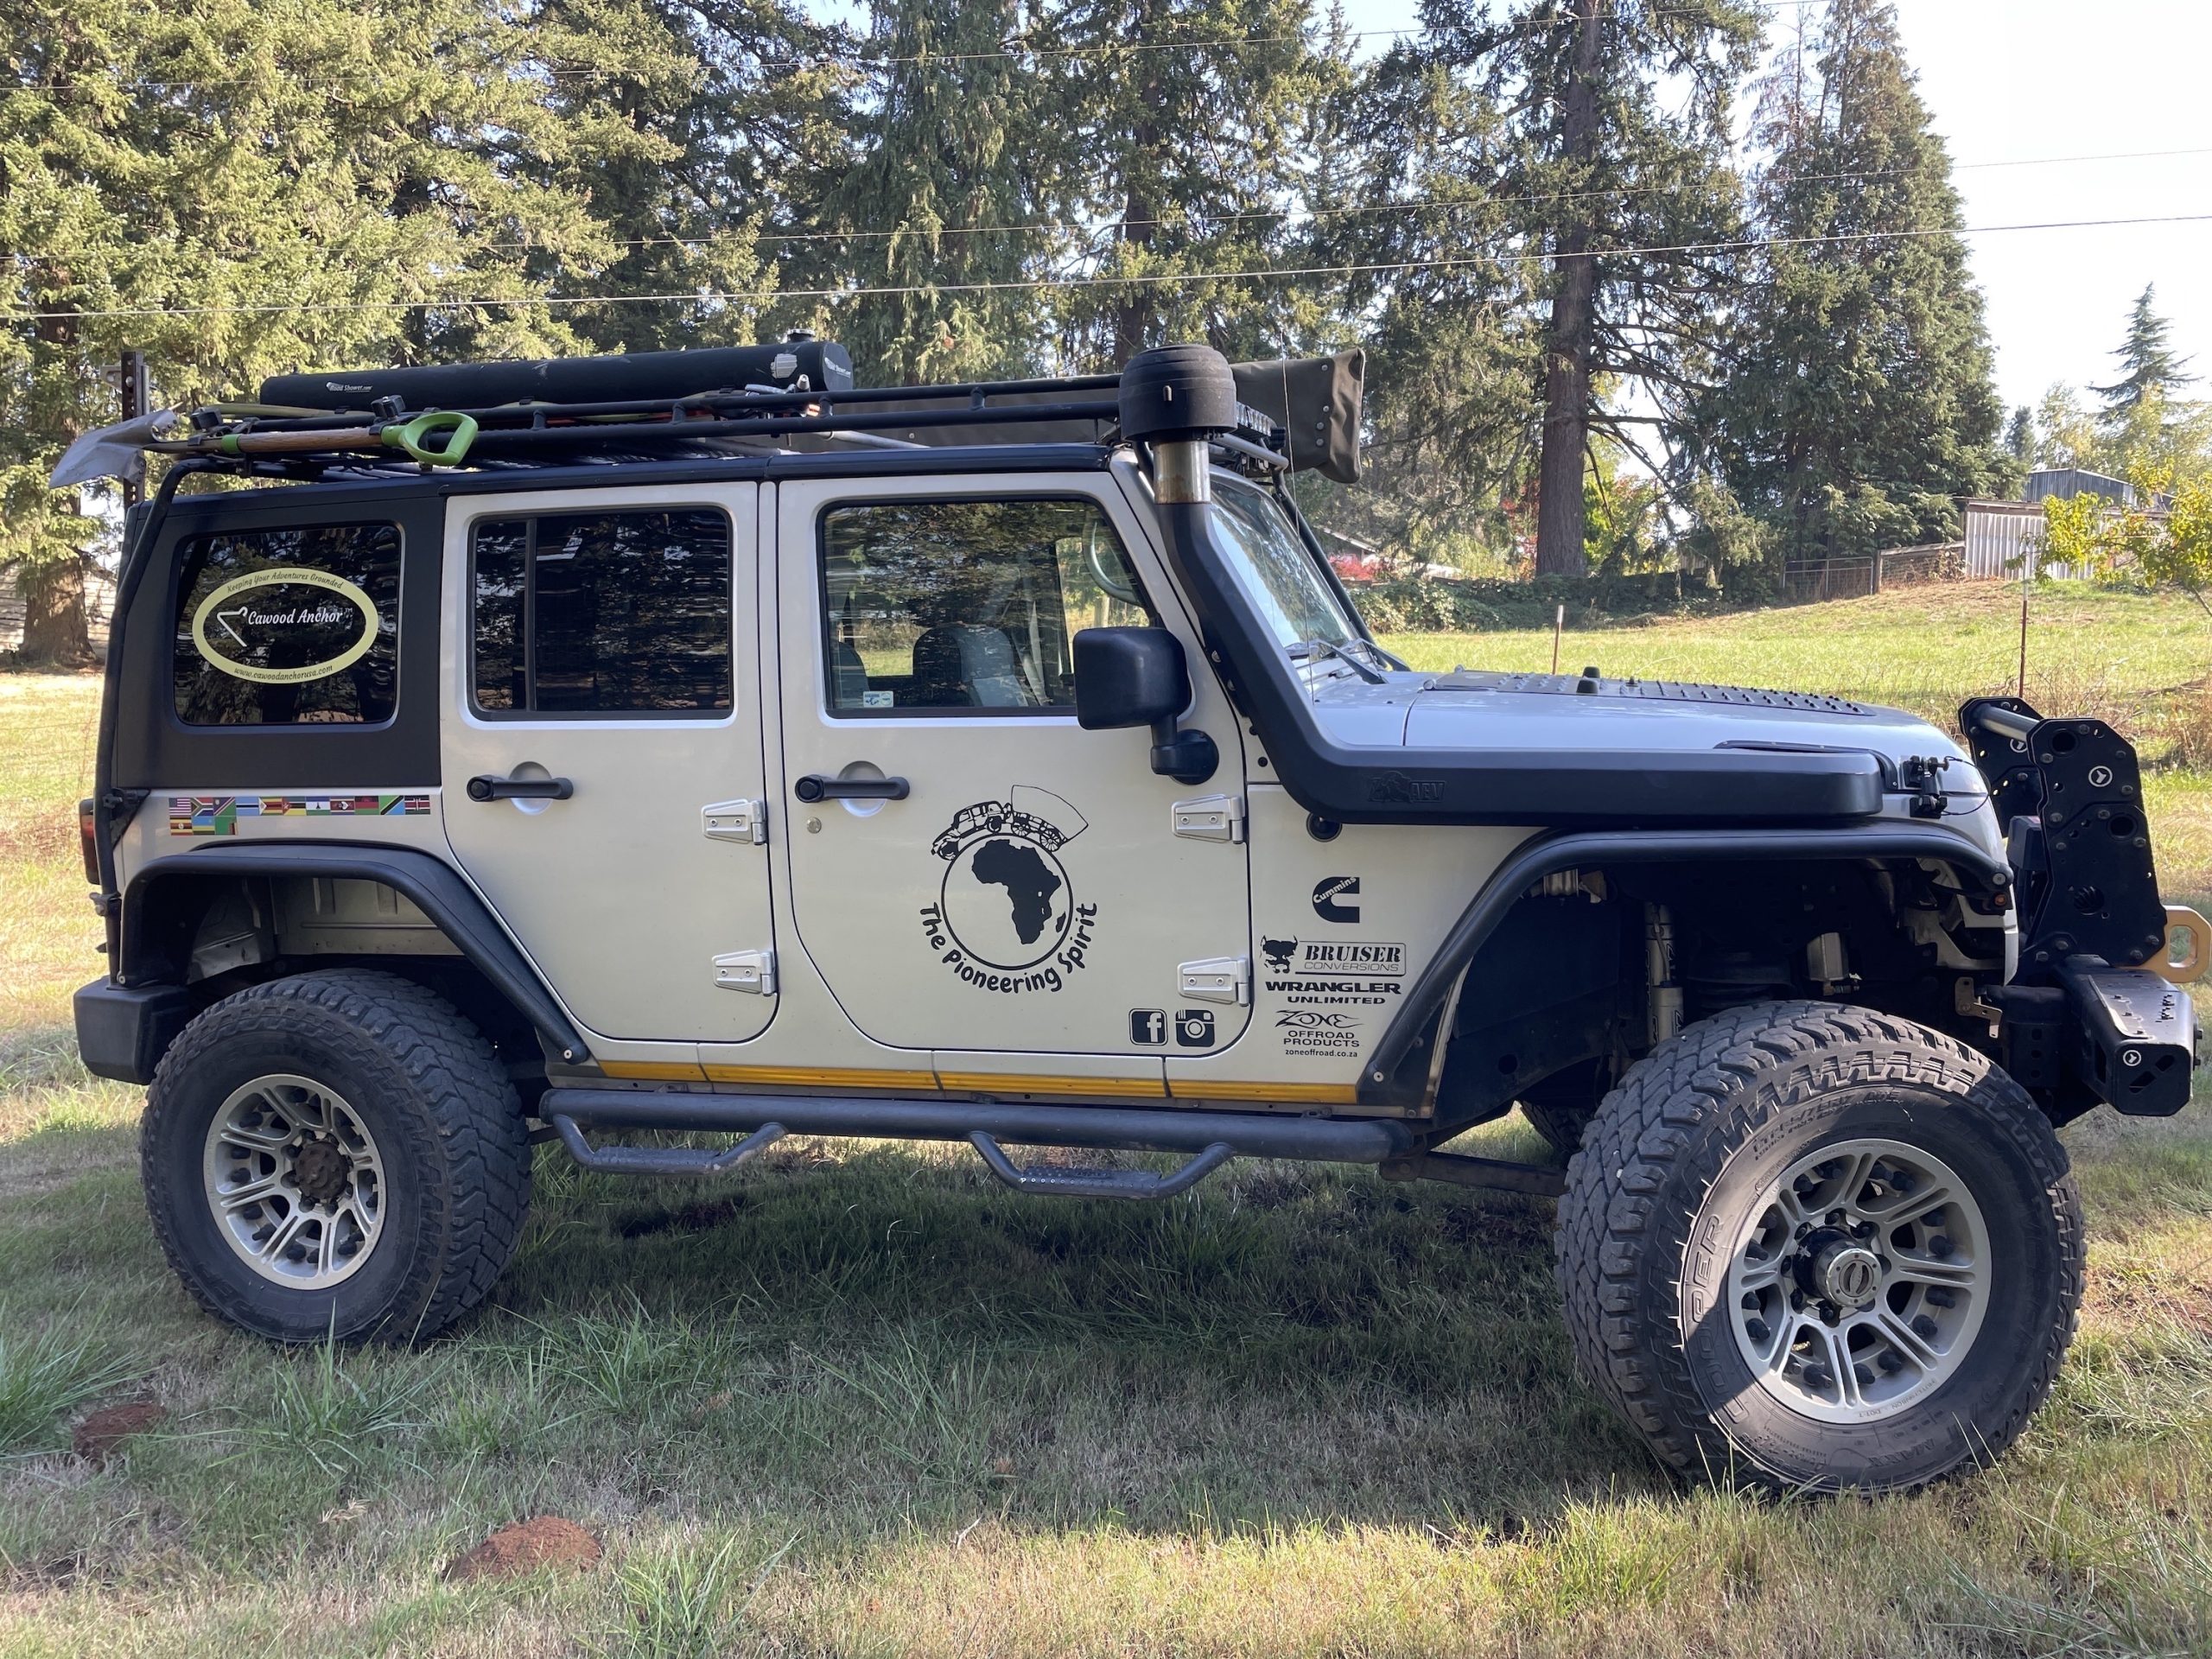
[1136, 676]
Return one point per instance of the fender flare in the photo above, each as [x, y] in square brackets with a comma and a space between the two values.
[1383, 1080]
[432, 885]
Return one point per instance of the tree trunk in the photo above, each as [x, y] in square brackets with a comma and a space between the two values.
[55, 631]
[1561, 519]
[1134, 309]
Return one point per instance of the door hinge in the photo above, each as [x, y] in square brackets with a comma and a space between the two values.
[1211, 818]
[751, 971]
[745, 821]
[1216, 979]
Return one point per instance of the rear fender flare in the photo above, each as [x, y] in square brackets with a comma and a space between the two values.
[433, 886]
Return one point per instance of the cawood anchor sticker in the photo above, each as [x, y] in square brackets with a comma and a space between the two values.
[1007, 918]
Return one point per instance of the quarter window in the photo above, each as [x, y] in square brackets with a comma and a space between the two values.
[289, 626]
[603, 612]
[950, 606]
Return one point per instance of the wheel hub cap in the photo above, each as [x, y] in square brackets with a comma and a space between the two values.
[1859, 1282]
[294, 1181]
[1849, 1275]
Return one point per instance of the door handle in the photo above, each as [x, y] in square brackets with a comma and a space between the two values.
[520, 789]
[815, 787]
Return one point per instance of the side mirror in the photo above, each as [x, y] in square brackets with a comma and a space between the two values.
[1136, 676]
[1128, 676]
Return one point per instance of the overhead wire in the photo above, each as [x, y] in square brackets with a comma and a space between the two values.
[708, 296]
[1422, 204]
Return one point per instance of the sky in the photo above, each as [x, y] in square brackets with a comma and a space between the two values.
[2029, 80]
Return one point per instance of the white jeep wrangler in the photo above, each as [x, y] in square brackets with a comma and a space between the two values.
[694, 742]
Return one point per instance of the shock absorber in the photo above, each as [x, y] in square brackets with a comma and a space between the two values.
[1663, 991]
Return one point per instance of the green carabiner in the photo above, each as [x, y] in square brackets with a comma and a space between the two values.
[460, 429]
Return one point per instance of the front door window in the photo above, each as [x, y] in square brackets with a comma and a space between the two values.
[960, 607]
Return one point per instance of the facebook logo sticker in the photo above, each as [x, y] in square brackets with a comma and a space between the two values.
[1148, 1027]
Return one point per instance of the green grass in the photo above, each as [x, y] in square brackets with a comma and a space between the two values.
[858, 1400]
[2138, 660]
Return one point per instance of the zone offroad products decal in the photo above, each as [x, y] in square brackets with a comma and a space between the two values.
[217, 815]
[1318, 1033]
[249, 614]
[1007, 920]
[1333, 973]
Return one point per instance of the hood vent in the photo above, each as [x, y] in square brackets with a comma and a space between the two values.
[1811, 703]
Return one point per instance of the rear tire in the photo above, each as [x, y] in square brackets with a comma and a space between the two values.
[1811, 1246]
[337, 1155]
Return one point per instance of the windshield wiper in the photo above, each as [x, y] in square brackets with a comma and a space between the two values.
[1307, 648]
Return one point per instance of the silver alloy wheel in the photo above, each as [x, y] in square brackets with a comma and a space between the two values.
[1859, 1282]
[294, 1181]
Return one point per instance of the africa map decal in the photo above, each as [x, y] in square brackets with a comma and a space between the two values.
[1007, 920]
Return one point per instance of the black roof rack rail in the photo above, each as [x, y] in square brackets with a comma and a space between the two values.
[271, 438]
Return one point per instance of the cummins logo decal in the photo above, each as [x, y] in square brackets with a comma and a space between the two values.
[1007, 918]
[1335, 899]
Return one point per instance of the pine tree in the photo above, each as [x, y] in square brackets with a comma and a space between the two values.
[712, 130]
[1859, 401]
[242, 189]
[1407, 208]
[2153, 369]
[945, 196]
[1614, 139]
[1182, 128]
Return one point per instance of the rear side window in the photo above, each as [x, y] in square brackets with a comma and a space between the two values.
[289, 626]
[602, 614]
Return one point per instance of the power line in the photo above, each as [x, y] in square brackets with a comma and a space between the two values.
[1010, 50]
[1443, 204]
[1153, 279]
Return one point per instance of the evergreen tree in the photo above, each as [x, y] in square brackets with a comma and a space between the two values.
[1183, 135]
[1613, 142]
[2152, 368]
[945, 195]
[244, 188]
[1408, 209]
[709, 133]
[2020, 436]
[1859, 400]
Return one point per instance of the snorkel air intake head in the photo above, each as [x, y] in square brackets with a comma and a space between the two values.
[1174, 399]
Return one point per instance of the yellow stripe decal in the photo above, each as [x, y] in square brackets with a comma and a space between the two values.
[806, 1077]
[1015, 1083]
[654, 1071]
[1317, 1094]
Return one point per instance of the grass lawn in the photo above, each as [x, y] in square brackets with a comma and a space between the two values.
[858, 1400]
[2137, 660]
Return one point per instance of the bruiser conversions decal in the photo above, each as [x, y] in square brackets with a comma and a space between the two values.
[1007, 919]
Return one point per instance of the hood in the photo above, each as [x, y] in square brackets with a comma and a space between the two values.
[1560, 713]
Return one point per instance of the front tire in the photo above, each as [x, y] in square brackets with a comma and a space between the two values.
[1812, 1246]
[337, 1155]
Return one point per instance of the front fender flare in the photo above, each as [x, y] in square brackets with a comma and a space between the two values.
[1397, 1072]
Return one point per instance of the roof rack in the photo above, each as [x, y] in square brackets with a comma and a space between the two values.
[373, 426]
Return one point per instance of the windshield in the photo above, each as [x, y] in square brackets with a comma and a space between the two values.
[1276, 572]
